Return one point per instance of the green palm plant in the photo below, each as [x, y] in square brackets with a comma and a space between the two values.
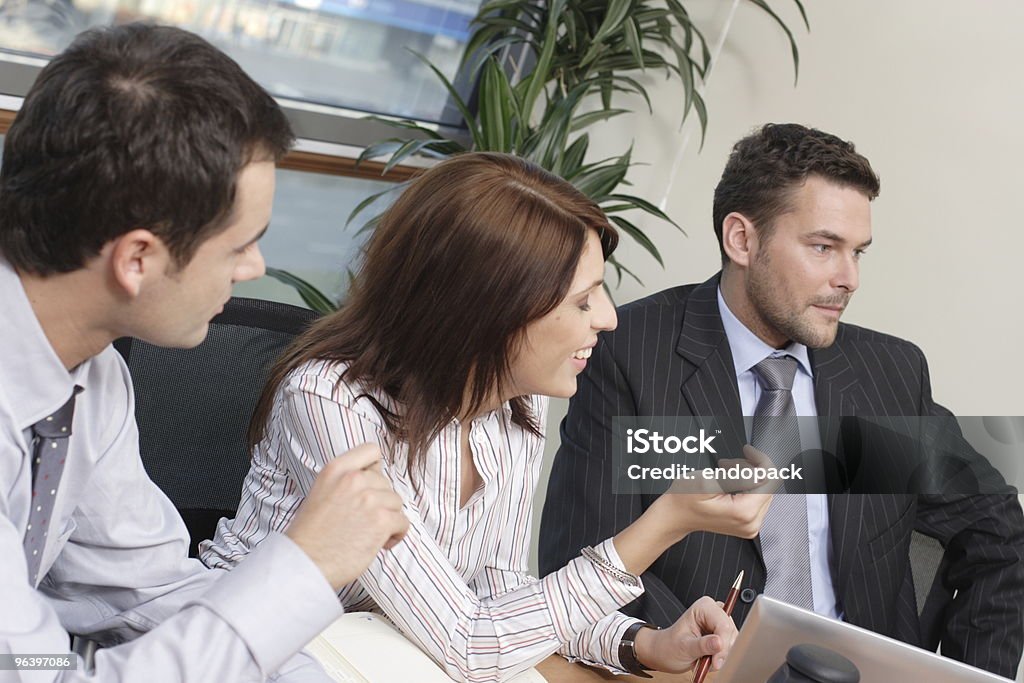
[582, 54]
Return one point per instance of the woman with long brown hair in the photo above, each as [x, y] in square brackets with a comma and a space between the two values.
[481, 294]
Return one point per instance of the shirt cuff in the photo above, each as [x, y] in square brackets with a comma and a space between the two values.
[599, 646]
[277, 600]
[600, 585]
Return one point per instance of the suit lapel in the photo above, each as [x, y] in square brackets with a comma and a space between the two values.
[837, 389]
[709, 374]
[838, 395]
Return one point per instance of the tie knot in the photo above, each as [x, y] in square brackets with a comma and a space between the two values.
[58, 425]
[776, 374]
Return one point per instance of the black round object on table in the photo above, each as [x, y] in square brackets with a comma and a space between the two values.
[814, 664]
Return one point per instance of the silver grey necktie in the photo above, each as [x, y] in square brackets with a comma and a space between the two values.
[51, 448]
[784, 542]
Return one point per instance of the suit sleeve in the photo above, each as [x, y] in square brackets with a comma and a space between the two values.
[983, 537]
[580, 508]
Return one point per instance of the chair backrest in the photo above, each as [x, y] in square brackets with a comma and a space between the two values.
[193, 406]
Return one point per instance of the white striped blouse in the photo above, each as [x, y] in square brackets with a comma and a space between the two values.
[457, 584]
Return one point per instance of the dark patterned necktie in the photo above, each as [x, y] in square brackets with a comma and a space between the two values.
[49, 453]
[784, 543]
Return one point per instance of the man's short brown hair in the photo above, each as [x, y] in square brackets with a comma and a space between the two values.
[766, 167]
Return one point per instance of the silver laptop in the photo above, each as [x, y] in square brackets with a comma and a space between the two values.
[772, 627]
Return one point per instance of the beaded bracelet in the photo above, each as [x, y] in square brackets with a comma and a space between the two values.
[607, 567]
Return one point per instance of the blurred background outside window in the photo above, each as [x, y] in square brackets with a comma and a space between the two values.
[355, 54]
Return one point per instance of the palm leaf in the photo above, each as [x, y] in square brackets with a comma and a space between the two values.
[575, 50]
[598, 182]
[498, 109]
[370, 225]
[615, 14]
[409, 148]
[488, 51]
[310, 295]
[641, 238]
[552, 133]
[572, 160]
[644, 205]
[592, 117]
[379, 149]
[474, 129]
[361, 206]
[406, 123]
[538, 78]
[633, 39]
[702, 116]
[789, 34]
[620, 269]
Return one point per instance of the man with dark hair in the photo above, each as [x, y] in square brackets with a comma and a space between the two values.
[137, 178]
[762, 338]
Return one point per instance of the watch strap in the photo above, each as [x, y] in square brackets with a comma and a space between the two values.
[627, 650]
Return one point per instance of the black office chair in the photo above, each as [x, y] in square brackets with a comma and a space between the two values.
[193, 406]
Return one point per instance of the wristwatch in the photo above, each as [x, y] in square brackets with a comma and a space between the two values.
[627, 650]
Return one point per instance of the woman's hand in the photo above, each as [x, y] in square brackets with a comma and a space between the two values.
[704, 629]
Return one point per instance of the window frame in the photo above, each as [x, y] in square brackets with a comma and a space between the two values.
[329, 138]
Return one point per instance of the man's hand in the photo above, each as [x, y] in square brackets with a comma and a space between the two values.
[351, 512]
[704, 629]
[730, 507]
[696, 505]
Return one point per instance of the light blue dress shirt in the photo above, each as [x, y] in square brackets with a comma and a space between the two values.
[115, 561]
[747, 351]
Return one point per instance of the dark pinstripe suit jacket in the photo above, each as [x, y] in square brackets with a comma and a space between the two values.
[670, 356]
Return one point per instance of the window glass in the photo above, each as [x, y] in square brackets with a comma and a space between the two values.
[347, 53]
[308, 236]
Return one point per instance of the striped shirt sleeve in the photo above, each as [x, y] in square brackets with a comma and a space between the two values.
[473, 638]
[599, 644]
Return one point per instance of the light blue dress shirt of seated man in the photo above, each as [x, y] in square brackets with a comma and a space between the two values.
[114, 564]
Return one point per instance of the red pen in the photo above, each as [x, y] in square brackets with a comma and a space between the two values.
[704, 665]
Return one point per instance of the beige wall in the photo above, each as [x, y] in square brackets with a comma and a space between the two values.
[929, 90]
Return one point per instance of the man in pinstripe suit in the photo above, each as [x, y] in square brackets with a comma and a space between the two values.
[792, 215]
